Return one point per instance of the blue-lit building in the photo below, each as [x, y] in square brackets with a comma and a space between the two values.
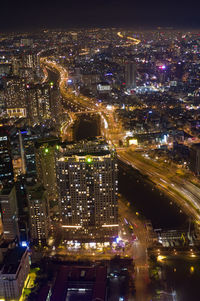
[6, 167]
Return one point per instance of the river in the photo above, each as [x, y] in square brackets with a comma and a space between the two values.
[182, 273]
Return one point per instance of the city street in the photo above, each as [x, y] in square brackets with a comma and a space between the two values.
[139, 254]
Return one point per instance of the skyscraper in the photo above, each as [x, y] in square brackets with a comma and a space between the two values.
[195, 158]
[87, 186]
[22, 204]
[15, 93]
[38, 214]
[38, 102]
[45, 164]
[55, 105]
[6, 167]
[130, 75]
[9, 212]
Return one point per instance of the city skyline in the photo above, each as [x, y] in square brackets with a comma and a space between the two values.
[99, 161]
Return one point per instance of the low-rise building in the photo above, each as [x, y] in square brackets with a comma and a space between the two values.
[14, 271]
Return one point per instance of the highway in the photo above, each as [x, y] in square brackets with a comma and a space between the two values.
[133, 40]
[80, 104]
[180, 190]
[139, 254]
[77, 101]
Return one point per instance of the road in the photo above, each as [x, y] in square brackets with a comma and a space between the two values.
[133, 40]
[78, 104]
[186, 194]
[77, 101]
[139, 254]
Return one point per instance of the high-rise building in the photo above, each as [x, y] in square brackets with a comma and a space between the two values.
[38, 214]
[6, 167]
[195, 158]
[30, 60]
[74, 36]
[130, 75]
[26, 42]
[55, 105]
[27, 150]
[45, 164]
[9, 212]
[87, 187]
[15, 93]
[22, 204]
[14, 271]
[38, 103]
[23, 147]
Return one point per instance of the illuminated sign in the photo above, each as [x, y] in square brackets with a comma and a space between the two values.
[133, 142]
[3, 138]
[101, 87]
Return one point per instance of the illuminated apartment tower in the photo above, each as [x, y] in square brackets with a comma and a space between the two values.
[38, 214]
[55, 105]
[87, 186]
[38, 102]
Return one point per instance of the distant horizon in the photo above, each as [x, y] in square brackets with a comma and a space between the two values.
[79, 28]
[19, 16]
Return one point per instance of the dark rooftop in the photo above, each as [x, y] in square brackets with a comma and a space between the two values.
[48, 140]
[6, 189]
[12, 260]
[42, 296]
[196, 146]
[88, 283]
[97, 153]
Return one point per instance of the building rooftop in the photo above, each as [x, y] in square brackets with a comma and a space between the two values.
[12, 260]
[196, 146]
[36, 191]
[97, 153]
[6, 189]
[47, 140]
[80, 283]
[43, 294]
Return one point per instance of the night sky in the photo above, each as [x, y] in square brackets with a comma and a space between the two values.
[79, 13]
